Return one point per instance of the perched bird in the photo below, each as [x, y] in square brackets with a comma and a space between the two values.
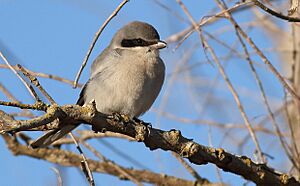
[125, 78]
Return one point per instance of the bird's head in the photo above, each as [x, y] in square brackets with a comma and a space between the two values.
[137, 35]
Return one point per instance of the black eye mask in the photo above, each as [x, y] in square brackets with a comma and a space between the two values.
[136, 42]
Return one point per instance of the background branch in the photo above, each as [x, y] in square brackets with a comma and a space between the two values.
[67, 158]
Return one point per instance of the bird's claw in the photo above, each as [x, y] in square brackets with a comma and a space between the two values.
[119, 117]
[125, 118]
[147, 126]
[137, 120]
[114, 116]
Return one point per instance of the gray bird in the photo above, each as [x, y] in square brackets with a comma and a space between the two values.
[125, 78]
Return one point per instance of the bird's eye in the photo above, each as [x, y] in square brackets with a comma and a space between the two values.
[134, 42]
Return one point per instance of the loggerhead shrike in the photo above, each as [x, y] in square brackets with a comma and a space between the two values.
[125, 78]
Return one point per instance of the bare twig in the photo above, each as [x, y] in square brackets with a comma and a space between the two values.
[24, 137]
[187, 32]
[115, 12]
[239, 104]
[117, 167]
[44, 75]
[10, 96]
[85, 166]
[86, 135]
[190, 169]
[53, 112]
[7, 93]
[274, 13]
[28, 87]
[167, 8]
[283, 143]
[295, 67]
[36, 83]
[214, 123]
[36, 106]
[67, 158]
[260, 53]
[225, 77]
[185, 59]
[291, 128]
[182, 36]
[59, 178]
[122, 154]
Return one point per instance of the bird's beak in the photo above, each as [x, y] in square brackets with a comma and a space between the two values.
[160, 45]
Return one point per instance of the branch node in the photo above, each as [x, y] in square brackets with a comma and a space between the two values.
[195, 155]
[222, 156]
[90, 109]
[220, 153]
[261, 174]
[246, 160]
[188, 150]
[141, 132]
[174, 135]
[284, 178]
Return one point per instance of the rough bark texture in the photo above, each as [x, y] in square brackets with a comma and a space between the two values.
[153, 138]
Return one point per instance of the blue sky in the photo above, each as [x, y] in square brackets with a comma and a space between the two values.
[53, 37]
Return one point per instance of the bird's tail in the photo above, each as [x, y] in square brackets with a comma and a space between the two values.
[51, 136]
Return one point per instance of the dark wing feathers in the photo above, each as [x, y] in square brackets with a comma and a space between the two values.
[81, 98]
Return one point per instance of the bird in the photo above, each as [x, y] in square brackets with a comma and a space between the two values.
[125, 78]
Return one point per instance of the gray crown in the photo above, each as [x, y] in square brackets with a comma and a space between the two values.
[135, 30]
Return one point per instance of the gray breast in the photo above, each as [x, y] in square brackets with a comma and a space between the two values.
[130, 86]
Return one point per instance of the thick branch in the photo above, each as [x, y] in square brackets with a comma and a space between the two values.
[67, 158]
[172, 140]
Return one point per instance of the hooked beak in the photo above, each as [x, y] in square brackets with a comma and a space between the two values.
[160, 45]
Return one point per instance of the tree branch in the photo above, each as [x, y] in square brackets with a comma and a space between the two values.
[171, 140]
[67, 158]
[274, 13]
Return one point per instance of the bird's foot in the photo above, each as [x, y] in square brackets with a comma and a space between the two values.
[125, 118]
[120, 117]
[137, 120]
[143, 129]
